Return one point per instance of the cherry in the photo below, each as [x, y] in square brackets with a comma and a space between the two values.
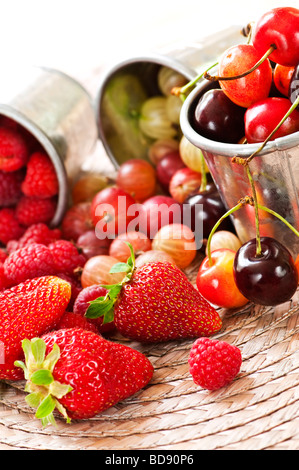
[217, 118]
[269, 278]
[215, 280]
[262, 118]
[282, 76]
[250, 88]
[293, 91]
[279, 28]
[206, 209]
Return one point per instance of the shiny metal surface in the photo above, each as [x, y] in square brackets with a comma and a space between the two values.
[58, 112]
[187, 59]
[275, 171]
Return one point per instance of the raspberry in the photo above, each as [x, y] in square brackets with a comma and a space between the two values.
[41, 179]
[10, 187]
[74, 320]
[67, 256]
[13, 149]
[10, 228]
[32, 261]
[82, 303]
[3, 255]
[36, 233]
[32, 210]
[3, 280]
[214, 364]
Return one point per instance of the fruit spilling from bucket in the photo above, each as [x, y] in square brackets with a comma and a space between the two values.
[117, 263]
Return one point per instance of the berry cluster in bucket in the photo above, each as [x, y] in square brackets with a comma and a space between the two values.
[28, 182]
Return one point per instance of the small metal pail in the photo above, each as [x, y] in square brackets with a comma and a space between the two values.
[185, 59]
[58, 112]
[275, 171]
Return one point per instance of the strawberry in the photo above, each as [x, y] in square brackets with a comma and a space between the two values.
[80, 373]
[28, 310]
[154, 303]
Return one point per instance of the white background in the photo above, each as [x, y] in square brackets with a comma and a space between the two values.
[79, 36]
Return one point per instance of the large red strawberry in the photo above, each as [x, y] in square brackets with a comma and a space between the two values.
[156, 302]
[28, 310]
[80, 373]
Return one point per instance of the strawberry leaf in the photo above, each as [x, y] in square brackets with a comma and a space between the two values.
[120, 268]
[41, 386]
[104, 306]
[99, 308]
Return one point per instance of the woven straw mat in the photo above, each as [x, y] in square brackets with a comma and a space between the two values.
[258, 410]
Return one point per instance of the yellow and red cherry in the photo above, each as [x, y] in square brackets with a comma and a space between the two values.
[278, 29]
[263, 117]
[250, 88]
[282, 76]
[269, 278]
[215, 280]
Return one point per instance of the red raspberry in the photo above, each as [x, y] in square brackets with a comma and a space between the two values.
[41, 179]
[67, 256]
[37, 233]
[3, 280]
[13, 149]
[32, 261]
[83, 301]
[214, 364]
[3, 255]
[74, 320]
[32, 210]
[10, 228]
[10, 187]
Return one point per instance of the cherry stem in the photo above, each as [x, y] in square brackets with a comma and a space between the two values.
[229, 212]
[215, 78]
[256, 213]
[203, 184]
[182, 91]
[270, 211]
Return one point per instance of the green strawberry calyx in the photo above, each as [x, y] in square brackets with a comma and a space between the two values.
[44, 391]
[104, 306]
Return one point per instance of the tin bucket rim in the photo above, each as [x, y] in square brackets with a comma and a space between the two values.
[227, 149]
[51, 151]
[158, 59]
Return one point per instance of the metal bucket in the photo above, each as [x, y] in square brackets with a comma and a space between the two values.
[59, 113]
[275, 171]
[185, 59]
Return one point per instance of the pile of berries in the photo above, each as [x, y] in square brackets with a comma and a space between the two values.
[58, 293]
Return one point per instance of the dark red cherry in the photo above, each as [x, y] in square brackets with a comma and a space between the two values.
[206, 208]
[268, 279]
[217, 118]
